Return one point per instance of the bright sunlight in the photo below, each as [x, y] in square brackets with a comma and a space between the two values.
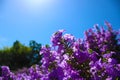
[35, 6]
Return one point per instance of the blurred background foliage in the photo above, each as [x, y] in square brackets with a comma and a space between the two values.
[18, 55]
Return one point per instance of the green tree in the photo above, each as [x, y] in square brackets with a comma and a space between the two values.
[19, 55]
[35, 57]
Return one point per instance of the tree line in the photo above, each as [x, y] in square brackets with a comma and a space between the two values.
[18, 55]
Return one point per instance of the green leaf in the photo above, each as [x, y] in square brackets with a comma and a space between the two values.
[90, 51]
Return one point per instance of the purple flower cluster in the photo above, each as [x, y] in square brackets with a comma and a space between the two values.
[97, 57]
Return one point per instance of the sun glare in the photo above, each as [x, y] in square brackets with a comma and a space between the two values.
[37, 5]
[37, 2]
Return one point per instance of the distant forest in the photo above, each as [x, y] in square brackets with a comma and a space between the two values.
[18, 55]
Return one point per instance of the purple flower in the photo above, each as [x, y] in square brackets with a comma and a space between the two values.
[57, 37]
[81, 56]
[56, 74]
[94, 56]
[68, 38]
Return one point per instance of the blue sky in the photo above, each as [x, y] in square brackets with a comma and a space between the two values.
[26, 20]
